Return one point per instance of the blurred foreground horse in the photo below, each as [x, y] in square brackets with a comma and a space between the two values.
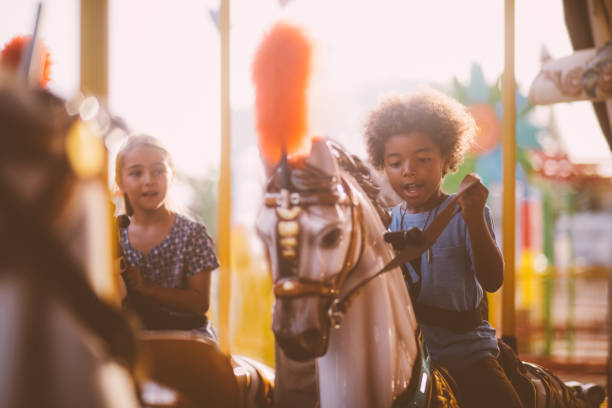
[63, 339]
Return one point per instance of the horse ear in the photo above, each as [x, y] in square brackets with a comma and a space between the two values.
[269, 169]
[322, 158]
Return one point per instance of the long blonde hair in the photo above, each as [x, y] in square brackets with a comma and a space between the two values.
[133, 141]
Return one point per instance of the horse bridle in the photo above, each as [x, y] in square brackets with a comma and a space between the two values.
[289, 206]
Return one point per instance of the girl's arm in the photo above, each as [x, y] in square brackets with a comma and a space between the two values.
[488, 260]
[194, 299]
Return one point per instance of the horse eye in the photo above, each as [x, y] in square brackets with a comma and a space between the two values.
[332, 238]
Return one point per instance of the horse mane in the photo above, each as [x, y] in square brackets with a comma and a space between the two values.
[34, 122]
[357, 168]
[35, 125]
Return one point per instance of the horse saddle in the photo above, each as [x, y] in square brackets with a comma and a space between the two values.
[188, 371]
[154, 317]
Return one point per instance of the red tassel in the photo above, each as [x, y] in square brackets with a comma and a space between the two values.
[281, 73]
[10, 56]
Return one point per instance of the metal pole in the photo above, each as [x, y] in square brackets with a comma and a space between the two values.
[225, 199]
[94, 81]
[94, 47]
[509, 171]
[549, 277]
[570, 332]
[609, 360]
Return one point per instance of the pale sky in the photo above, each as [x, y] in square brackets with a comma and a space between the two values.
[164, 58]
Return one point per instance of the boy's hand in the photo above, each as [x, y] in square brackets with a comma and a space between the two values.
[473, 201]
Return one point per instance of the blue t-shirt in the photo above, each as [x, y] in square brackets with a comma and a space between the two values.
[449, 282]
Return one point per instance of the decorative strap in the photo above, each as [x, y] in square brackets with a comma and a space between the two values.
[297, 287]
[431, 234]
[291, 287]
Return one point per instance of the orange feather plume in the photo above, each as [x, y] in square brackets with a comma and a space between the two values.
[281, 73]
[10, 56]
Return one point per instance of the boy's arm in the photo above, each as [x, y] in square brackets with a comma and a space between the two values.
[487, 259]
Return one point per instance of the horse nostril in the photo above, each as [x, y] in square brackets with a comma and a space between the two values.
[313, 339]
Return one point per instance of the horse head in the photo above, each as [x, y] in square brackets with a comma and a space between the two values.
[312, 220]
[310, 226]
[334, 301]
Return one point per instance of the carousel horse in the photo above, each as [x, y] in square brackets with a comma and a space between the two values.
[64, 341]
[335, 301]
[62, 345]
[326, 247]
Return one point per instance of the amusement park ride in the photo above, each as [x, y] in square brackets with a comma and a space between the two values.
[65, 342]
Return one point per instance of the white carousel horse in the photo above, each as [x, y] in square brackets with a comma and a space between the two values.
[324, 237]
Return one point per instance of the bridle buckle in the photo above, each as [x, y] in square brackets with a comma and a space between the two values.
[336, 313]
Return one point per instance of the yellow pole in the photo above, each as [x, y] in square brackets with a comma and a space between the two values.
[225, 199]
[94, 47]
[509, 171]
[94, 81]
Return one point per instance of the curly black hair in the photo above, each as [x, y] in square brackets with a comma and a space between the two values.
[429, 111]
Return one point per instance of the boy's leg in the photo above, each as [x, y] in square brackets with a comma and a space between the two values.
[486, 385]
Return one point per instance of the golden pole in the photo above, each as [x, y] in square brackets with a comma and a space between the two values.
[509, 171]
[94, 81]
[94, 47]
[225, 199]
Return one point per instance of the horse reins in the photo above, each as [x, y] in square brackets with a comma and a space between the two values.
[297, 287]
[412, 250]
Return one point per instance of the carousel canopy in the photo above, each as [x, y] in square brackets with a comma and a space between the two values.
[587, 73]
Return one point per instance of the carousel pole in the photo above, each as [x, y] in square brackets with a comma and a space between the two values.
[225, 199]
[509, 171]
[549, 277]
[94, 47]
[94, 81]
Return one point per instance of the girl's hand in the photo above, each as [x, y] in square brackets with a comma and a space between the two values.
[120, 267]
[473, 201]
[134, 279]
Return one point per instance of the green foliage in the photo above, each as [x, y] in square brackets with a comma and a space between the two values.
[460, 92]
[523, 160]
[451, 181]
[496, 93]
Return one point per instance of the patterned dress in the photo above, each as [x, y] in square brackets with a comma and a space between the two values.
[186, 250]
